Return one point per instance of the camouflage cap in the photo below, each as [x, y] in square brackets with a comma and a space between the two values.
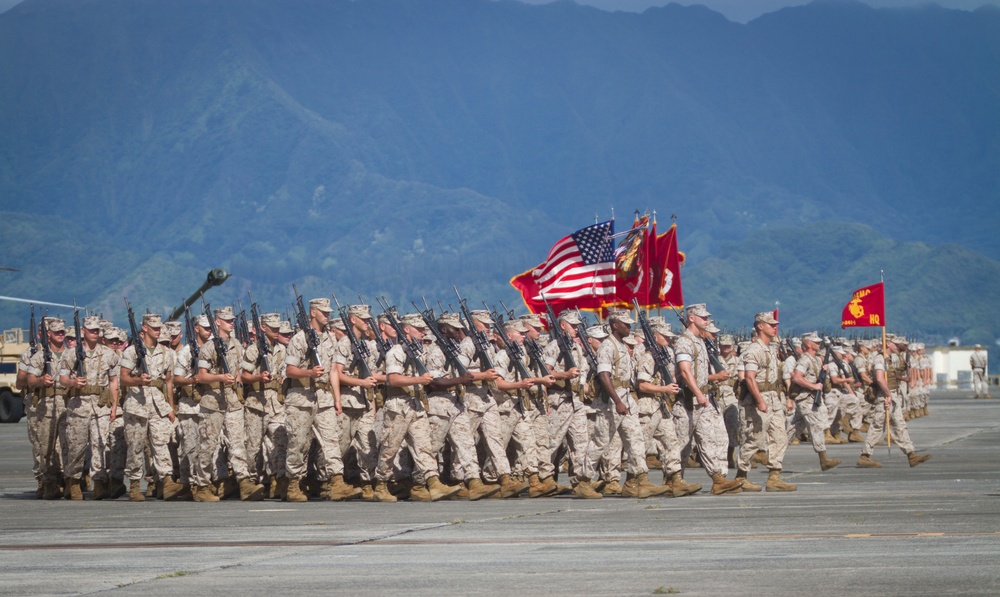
[285, 328]
[320, 304]
[597, 332]
[630, 340]
[154, 320]
[711, 328]
[699, 309]
[765, 317]
[812, 337]
[71, 332]
[54, 324]
[621, 315]
[106, 325]
[570, 317]
[91, 322]
[225, 313]
[163, 339]
[415, 320]
[796, 342]
[838, 349]
[726, 340]
[116, 334]
[173, 328]
[664, 330]
[337, 323]
[271, 320]
[516, 325]
[657, 320]
[201, 321]
[360, 311]
[532, 319]
[383, 318]
[482, 316]
[451, 319]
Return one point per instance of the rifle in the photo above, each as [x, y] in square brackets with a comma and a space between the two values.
[564, 342]
[263, 348]
[479, 338]
[713, 359]
[447, 345]
[192, 340]
[220, 345]
[535, 358]
[80, 370]
[514, 350]
[661, 358]
[241, 325]
[591, 356]
[821, 380]
[412, 353]
[46, 349]
[312, 338]
[383, 343]
[34, 332]
[136, 341]
[358, 348]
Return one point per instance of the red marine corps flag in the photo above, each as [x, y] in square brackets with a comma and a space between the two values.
[866, 308]
[665, 265]
[578, 273]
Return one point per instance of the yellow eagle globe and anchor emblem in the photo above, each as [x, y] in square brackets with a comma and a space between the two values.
[855, 307]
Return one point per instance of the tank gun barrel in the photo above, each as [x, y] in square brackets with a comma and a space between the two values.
[216, 277]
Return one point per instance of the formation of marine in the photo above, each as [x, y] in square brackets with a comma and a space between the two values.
[346, 404]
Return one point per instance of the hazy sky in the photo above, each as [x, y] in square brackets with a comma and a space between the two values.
[736, 10]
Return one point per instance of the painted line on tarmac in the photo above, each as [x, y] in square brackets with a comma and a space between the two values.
[405, 542]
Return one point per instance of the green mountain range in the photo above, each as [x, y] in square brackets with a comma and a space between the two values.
[388, 146]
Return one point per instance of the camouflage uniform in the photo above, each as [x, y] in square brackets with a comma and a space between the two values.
[568, 414]
[876, 433]
[357, 421]
[218, 401]
[448, 419]
[254, 412]
[762, 430]
[404, 419]
[147, 413]
[695, 423]
[275, 444]
[186, 401]
[482, 411]
[513, 408]
[656, 419]
[809, 414]
[46, 414]
[88, 412]
[310, 412]
[731, 412]
[613, 357]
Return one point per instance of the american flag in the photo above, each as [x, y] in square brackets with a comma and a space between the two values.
[578, 272]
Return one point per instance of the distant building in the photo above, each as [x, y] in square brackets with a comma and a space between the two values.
[951, 365]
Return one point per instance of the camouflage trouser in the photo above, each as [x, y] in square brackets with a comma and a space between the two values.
[253, 431]
[275, 446]
[607, 424]
[236, 438]
[897, 426]
[488, 425]
[609, 467]
[539, 422]
[156, 430]
[702, 426]
[44, 422]
[661, 437]
[980, 384]
[449, 420]
[732, 414]
[763, 431]
[405, 421]
[357, 432]
[514, 428]
[566, 422]
[86, 427]
[303, 423]
[847, 404]
[210, 426]
[187, 446]
[117, 446]
[809, 415]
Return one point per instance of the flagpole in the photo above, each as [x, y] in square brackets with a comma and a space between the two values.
[885, 354]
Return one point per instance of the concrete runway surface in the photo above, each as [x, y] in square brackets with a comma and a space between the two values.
[929, 530]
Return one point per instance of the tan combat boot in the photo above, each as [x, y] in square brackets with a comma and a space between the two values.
[420, 493]
[865, 461]
[186, 494]
[151, 489]
[205, 493]
[583, 489]
[680, 488]
[748, 485]
[251, 491]
[612, 489]
[382, 493]
[855, 437]
[760, 458]
[50, 491]
[653, 462]
[640, 487]
[171, 488]
[367, 492]
[776, 483]
[74, 491]
[340, 491]
[830, 439]
[135, 491]
[100, 491]
[294, 491]
[438, 490]
[827, 463]
[511, 488]
[914, 459]
[478, 490]
[537, 489]
[721, 485]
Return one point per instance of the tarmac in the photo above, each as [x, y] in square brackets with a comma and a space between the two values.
[929, 530]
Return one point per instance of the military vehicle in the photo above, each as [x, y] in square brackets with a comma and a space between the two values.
[13, 343]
